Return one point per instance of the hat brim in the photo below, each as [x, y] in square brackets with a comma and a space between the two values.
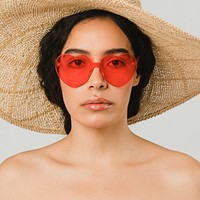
[176, 77]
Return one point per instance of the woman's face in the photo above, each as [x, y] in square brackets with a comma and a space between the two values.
[97, 103]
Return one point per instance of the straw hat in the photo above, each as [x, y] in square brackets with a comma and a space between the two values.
[23, 23]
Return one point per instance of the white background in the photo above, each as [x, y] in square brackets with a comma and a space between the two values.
[177, 129]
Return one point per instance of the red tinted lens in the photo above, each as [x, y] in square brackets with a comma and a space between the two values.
[73, 70]
[118, 70]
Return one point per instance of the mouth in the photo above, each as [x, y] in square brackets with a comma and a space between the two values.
[97, 104]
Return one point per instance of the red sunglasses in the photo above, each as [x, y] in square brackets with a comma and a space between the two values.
[76, 70]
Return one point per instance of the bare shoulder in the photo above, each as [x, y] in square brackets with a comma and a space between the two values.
[181, 174]
[12, 174]
[181, 162]
[20, 163]
[183, 165]
[16, 163]
[17, 173]
[174, 173]
[30, 172]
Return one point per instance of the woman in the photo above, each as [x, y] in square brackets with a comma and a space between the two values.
[94, 66]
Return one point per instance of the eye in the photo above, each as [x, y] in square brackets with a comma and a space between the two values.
[76, 63]
[116, 63]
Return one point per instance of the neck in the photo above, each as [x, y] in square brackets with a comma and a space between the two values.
[100, 145]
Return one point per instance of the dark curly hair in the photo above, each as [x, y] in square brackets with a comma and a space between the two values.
[52, 44]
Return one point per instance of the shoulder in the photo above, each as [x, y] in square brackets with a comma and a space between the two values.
[172, 161]
[23, 163]
[183, 165]
[181, 175]
[18, 173]
[11, 175]
[179, 162]
[174, 173]
[17, 165]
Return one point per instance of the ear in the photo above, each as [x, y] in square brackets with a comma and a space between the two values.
[136, 79]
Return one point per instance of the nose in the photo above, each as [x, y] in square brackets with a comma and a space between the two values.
[96, 80]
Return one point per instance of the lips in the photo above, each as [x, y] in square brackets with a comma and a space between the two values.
[97, 104]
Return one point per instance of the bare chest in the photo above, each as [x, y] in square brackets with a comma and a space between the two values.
[98, 186]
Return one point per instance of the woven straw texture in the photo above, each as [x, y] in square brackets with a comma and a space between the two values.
[23, 23]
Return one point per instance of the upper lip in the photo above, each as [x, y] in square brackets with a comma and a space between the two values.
[97, 101]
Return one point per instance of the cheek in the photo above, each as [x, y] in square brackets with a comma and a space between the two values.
[124, 93]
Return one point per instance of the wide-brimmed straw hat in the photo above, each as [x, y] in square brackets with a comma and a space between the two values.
[23, 23]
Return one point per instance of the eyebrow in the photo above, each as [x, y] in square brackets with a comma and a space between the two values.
[81, 51]
[110, 51]
[114, 51]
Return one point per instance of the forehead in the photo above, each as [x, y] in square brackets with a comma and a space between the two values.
[97, 34]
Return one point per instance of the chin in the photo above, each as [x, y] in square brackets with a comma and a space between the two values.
[101, 122]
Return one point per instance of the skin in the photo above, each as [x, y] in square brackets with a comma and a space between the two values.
[101, 158]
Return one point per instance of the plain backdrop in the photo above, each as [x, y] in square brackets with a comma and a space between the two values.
[177, 129]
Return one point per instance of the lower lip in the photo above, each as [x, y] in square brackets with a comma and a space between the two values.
[98, 106]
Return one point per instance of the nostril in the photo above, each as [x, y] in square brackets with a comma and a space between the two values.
[96, 79]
